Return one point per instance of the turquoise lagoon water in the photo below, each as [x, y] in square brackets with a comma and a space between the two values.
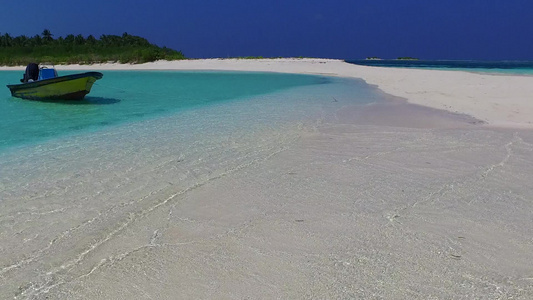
[125, 97]
[150, 135]
[495, 67]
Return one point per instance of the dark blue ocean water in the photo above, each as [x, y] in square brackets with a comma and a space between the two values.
[503, 67]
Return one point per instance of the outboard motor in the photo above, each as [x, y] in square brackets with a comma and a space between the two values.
[32, 72]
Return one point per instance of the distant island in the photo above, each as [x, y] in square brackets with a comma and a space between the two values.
[76, 49]
[399, 58]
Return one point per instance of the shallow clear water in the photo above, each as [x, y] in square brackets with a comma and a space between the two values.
[123, 97]
[74, 177]
[134, 120]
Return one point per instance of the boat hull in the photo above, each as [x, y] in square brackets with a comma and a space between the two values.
[70, 87]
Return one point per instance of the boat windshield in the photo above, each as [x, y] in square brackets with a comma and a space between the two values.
[47, 73]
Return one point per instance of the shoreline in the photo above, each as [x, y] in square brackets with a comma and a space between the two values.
[388, 200]
[496, 100]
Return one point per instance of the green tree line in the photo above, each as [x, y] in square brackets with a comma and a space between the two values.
[21, 50]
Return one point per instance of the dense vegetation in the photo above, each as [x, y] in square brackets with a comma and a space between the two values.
[127, 48]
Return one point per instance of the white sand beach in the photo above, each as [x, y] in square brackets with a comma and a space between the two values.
[392, 201]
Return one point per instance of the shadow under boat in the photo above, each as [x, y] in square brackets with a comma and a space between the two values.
[85, 101]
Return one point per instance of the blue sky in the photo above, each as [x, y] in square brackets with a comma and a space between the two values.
[427, 29]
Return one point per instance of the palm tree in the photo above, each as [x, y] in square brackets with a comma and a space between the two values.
[69, 39]
[91, 40]
[79, 40]
[20, 41]
[6, 40]
[47, 35]
[36, 40]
